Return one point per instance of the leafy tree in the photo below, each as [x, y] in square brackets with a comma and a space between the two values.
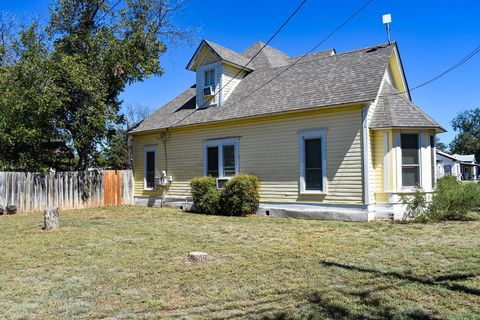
[467, 126]
[59, 95]
[440, 145]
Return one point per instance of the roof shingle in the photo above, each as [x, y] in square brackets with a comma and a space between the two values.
[394, 110]
[321, 80]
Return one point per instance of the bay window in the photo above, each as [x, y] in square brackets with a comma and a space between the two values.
[313, 177]
[221, 158]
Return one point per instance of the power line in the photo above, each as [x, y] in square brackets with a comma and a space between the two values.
[310, 51]
[109, 10]
[251, 59]
[452, 68]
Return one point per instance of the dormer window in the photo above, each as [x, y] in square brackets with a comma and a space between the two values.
[209, 78]
[209, 88]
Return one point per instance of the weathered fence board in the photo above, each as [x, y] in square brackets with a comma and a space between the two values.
[66, 190]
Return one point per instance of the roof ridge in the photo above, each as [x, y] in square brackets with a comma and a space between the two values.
[327, 57]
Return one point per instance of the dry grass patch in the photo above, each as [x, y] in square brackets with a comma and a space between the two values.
[131, 263]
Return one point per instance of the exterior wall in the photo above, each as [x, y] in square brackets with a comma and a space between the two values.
[443, 161]
[229, 81]
[269, 148]
[377, 181]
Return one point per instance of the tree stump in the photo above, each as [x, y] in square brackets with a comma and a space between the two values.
[197, 257]
[11, 209]
[51, 219]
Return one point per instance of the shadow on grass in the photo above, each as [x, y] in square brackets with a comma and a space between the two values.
[367, 303]
[436, 281]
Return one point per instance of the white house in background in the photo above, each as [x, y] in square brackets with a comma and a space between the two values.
[463, 167]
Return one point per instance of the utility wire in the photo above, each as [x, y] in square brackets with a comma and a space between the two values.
[357, 12]
[452, 68]
[251, 59]
[109, 10]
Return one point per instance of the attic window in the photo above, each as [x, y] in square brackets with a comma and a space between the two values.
[209, 78]
[209, 87]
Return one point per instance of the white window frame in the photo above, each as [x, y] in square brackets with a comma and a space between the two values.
[218, 70]
[220, 143]
[145, 150]
[313, 134]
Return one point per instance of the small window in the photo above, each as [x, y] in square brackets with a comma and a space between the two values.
[209, 78]
[221, 158]
[312, 162]
[410, 160]
[149, 161]
[212, 161]
[448, 170]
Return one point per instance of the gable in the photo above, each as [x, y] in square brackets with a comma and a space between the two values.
[204, 56]
[396, 75]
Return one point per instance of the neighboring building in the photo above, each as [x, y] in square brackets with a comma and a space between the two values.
[463, 167]
[336, 136]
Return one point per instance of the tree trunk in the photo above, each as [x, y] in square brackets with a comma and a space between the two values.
[51, 219]
[11, 209]
[197, 257]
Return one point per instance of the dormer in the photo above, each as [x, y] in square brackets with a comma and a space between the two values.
[217, 73]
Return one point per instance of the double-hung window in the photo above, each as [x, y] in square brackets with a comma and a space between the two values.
[149, 156]
[410, 160]
[209, 84]
[313, 164]
[221, 158]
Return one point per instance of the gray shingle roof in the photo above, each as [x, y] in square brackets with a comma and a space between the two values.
[394, 110]
[269, 57]
[229, 55]
[347, 78]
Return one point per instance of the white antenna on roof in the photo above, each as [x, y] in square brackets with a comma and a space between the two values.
[387, 20]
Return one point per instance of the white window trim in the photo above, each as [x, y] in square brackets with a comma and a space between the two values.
[218, 67]
[312, 134]
[145, 150]
[220, 143]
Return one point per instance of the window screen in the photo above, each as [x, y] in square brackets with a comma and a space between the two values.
[212, 161]
[313, 164]
[150, 170]
[228, 161]
[410, 160]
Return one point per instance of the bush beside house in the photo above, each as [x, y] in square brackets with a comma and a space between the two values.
[239, 197]
[452, 200]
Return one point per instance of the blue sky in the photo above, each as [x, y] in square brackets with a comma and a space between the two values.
[432, 36]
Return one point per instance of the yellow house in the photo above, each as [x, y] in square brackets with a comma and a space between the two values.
[330, 135]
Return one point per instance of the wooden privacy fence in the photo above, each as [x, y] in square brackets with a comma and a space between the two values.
[66, 190]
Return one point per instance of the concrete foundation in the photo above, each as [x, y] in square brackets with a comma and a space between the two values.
[379, 211]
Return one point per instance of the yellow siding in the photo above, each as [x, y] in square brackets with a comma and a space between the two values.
[377, 162]
[228, 81]
[396, 74]
[269, 148]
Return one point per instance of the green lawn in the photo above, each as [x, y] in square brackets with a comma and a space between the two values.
[130, 263]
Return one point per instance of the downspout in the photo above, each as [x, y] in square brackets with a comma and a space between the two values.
[366, 168]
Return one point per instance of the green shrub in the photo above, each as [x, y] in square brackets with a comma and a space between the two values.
[205, 195]
[452, 200]
[241, 195]
[417, 208]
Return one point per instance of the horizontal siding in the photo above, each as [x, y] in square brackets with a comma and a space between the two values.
[377, 151]
[229, 82]
[269, 148]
